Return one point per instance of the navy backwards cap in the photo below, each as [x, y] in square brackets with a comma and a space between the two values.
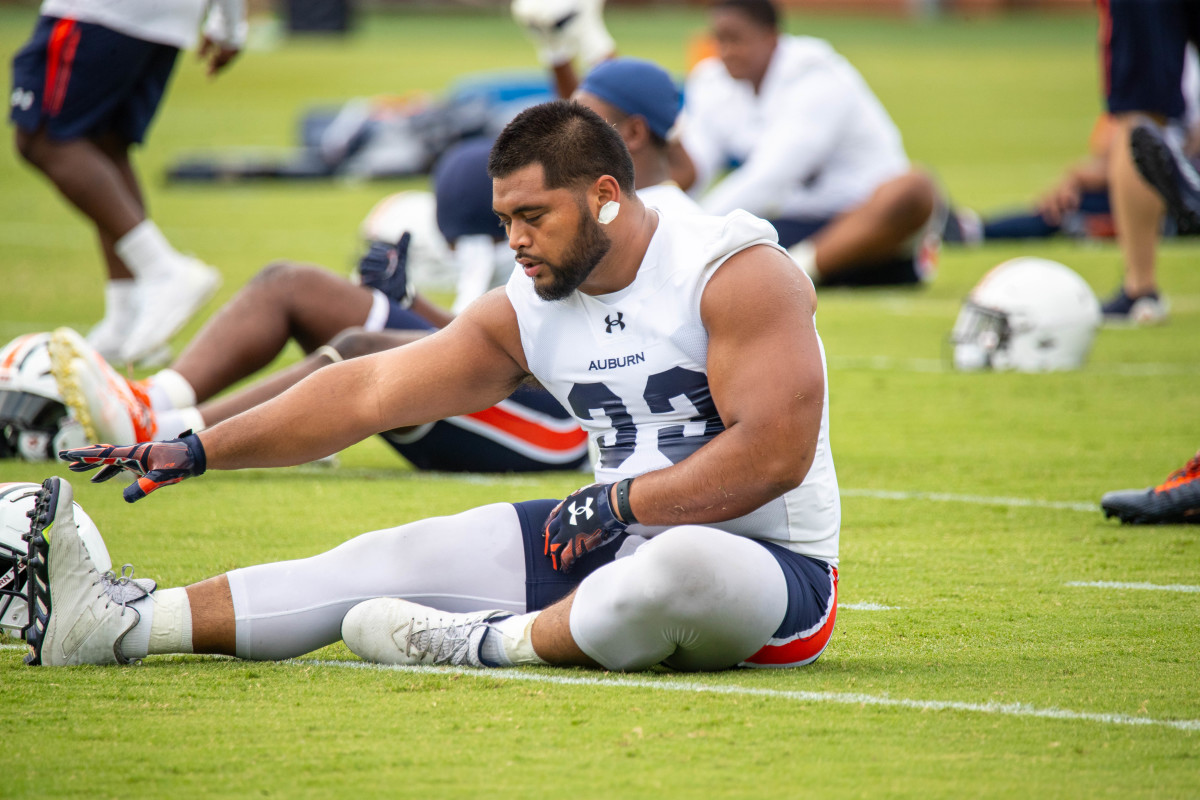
[639, 88]
[463, 191]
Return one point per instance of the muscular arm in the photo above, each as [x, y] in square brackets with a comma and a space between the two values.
[765, 374]
[472, 363]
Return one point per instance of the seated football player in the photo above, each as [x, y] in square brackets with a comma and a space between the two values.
[332, 319]
[813, 151]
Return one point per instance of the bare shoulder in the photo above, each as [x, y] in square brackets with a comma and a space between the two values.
[491, 319]
[756, 283]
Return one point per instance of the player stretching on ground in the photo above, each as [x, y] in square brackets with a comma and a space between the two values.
[686, 343]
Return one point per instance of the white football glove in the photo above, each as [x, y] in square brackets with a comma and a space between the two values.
[563, 30]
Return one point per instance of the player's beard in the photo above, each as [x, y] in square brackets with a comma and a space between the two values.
[588, 247]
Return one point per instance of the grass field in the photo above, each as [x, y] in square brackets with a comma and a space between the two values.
[966, 662]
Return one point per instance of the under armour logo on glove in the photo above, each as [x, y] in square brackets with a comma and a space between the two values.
[589, 523]
[576, 510]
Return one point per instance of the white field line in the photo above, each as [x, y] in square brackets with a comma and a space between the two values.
[1154, 587]
[843, 698]
[942, 497]
[937, 365]
[866, 607]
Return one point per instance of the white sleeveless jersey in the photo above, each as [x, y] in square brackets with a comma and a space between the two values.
[632, 368]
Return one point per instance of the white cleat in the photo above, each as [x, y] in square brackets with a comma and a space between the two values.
[110, 408]
[388, 630]
[80, 614]
[109, 335]
[166, 304]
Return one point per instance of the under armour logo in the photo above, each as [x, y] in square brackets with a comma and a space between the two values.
[585, 510]
[21, 98]
[608, 328]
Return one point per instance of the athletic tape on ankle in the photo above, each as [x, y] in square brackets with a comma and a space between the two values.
[171, 627]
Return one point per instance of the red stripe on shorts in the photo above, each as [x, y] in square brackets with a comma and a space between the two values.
[529, 430]
[798, 651]
[64, 38]
[1105, 44]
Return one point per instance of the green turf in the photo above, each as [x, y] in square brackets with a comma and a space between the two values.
[980, 611]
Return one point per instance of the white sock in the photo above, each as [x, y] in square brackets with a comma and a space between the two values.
[168, 389]
[508, 643]
[170, 623]
[804, 254]
[174, 421]
[147, 252]
[120, 298]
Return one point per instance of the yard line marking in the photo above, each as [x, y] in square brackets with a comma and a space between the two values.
[14, 647]
[845, 698]
[943, 497]
[867, 607]
[937, 365]
[1157, 587]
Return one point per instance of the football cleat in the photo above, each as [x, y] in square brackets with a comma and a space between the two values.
[388, 630]
[166, 304]
[1146, 309]
[1169, 172]
[110, 407]
[79, 614]
[1175, 500]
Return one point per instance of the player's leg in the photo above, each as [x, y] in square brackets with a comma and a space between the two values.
[461, 563]
[285, 300]
[350, 343]
[878, 229]
[1142, 51]
[692, 598]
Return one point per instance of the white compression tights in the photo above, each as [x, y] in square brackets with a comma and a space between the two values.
[467, 562]
[693, 598]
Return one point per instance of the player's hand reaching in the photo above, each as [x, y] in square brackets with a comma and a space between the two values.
[216, 54]
[155, 463]
[580, 524]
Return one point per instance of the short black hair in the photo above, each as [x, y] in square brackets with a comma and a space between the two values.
[574, 145]
[763, 12]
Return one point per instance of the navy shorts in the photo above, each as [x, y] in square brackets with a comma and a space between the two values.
[1141, 53]
[811, 586]
[80, 80]
[527, 432]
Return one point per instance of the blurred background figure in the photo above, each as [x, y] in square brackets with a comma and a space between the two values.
[85, 88]
[1142, 47]
[564, 31]
[812, 150]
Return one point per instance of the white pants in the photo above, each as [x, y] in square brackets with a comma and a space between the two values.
[691, 597]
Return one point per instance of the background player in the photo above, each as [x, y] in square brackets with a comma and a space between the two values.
[85, 89]
[813, 148]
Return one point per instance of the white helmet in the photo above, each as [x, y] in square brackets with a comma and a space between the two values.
[1026, 314]
[16, 501]
[34, 422]
[429, 260]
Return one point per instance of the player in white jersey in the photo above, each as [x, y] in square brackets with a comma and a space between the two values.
[85, 88]
[812, 149]
[686, 344]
